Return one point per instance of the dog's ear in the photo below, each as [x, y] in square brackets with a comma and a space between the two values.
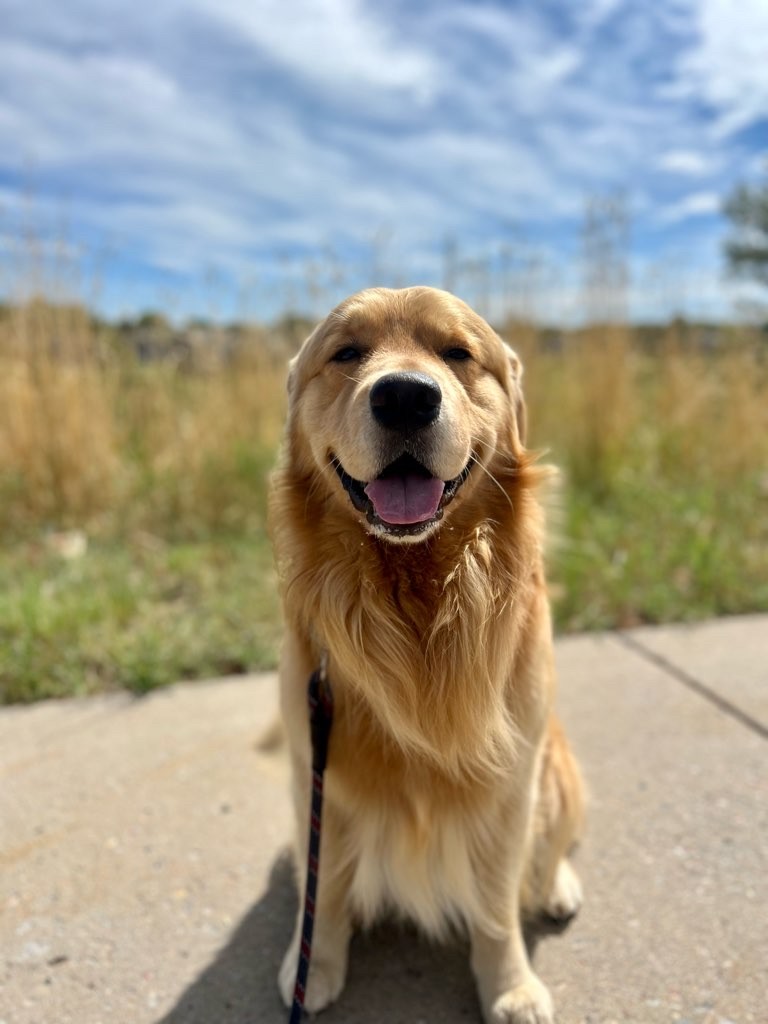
[516, 391]
[290, 382]
[293, 365]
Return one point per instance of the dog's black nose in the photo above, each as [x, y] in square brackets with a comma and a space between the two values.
[406, 401]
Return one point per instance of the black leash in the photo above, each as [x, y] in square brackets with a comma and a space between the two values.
[320, 719]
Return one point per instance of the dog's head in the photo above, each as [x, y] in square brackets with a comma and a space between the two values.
[399, 402]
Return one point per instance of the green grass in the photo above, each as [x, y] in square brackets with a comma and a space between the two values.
[136, 615]
[661, 551]
[144, 613]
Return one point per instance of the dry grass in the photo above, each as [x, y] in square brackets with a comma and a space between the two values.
[605, 408]
[58, 452]
[665, 461]
[90, 438]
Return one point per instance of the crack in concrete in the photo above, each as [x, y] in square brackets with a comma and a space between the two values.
[699, 688]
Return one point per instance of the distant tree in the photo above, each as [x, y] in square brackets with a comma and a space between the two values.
[152, 321]
[747, 250]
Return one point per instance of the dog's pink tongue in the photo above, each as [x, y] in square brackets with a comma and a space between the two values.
[405, 499]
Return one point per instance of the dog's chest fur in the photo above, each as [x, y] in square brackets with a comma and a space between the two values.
[420, 863]
[416, 830]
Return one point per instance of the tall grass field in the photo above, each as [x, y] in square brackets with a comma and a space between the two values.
[132, 493]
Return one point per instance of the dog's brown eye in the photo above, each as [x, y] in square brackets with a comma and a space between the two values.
[457, 354]
[346, 354]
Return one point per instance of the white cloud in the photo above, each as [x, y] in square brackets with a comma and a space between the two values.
[726, 66]
[528, 59]
[697, 204]
[337, 43]
[686, 162]
[597, 12]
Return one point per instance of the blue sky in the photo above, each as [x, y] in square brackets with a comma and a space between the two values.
[231, 158]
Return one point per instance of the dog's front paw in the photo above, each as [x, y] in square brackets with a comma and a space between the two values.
[566, 897]
[528, 1003]
[326, 980]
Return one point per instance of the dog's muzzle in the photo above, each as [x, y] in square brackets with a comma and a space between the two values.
[405, 499]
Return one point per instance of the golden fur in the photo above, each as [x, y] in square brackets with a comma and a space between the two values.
[451, 794]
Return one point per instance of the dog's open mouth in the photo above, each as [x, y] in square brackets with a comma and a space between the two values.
[404, 498]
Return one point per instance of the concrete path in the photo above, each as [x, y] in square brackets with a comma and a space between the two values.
[143, 879]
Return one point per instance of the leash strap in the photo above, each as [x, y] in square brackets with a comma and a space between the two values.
[320, 718]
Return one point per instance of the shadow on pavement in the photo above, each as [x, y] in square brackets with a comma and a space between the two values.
[395, 975]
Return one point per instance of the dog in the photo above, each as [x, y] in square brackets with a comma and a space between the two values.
[408, 541]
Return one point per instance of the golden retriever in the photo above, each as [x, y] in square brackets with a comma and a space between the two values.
[408, 540]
